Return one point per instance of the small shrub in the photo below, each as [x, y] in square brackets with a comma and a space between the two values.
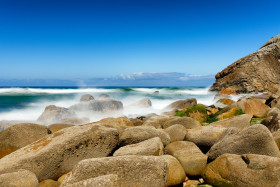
[239, 112]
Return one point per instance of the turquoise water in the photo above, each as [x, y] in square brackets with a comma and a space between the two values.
[29, 103]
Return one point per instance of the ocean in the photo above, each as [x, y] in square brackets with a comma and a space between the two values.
[27, 104]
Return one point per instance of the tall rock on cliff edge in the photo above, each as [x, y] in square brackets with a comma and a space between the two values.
[257, 72]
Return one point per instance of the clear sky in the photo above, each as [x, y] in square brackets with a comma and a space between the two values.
[70, 39]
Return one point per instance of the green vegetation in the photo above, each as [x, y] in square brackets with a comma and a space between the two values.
[199, 108]
[180, 113]
[256, 121]
[213, 118]
[239, 112]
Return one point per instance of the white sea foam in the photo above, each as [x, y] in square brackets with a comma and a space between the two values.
[34, 109]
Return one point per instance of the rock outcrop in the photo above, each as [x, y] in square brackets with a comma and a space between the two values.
[257, 72]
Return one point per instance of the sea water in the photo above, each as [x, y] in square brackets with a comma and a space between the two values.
[27, 104]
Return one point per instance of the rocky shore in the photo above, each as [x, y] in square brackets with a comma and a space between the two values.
[230, 143]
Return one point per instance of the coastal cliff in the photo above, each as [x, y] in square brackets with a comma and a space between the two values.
[257, 72]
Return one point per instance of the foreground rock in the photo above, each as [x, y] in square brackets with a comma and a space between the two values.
[132, 171]
[176, 132]
[53, 114]
[102, 181]
[49, 183]
[20, 135]
[257, 72]
[157, 121]
[181, 104]
[57, 154]
[18, 178]
[272, 122]
[189, 155]
[176, 173]
[134, 135]
[241, 122]
[205, 136]
[150, 147]
[246, 170]
[255, 139]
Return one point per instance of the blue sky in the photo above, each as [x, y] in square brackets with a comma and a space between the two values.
[93, 40]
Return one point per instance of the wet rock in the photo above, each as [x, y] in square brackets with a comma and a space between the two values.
[181, 104]
[53, 114]
[103, 96]
[86, 97]
[74, 121]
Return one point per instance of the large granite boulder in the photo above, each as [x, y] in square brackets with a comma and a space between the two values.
[157, 121]
[20, 135]
[18, 178]
[255, 139]
[49, 183]
[205, 136]
[150, 147]
[176, 132]
[189, 155]
[176, 173]
[134, 135]
[57, 154]
[243, 170]
[259, 71]
[181, 104]
[132, 171]
[241, 122]
[53, 114]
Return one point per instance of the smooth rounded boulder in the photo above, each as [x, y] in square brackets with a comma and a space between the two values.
[205, 136]
[20, 135]
[243, 170]
[189, 155]
[241, 122]
[181, 104]
[138, 134]
[57, 154]
[156, 121]
[18, 178]
[176, 132]
[255, 139]
[187, 122]
[132, 171]
[86, 97]
[53, 114]
[176, 173]
[150, 147]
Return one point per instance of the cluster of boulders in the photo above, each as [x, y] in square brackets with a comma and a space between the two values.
[231, 143]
